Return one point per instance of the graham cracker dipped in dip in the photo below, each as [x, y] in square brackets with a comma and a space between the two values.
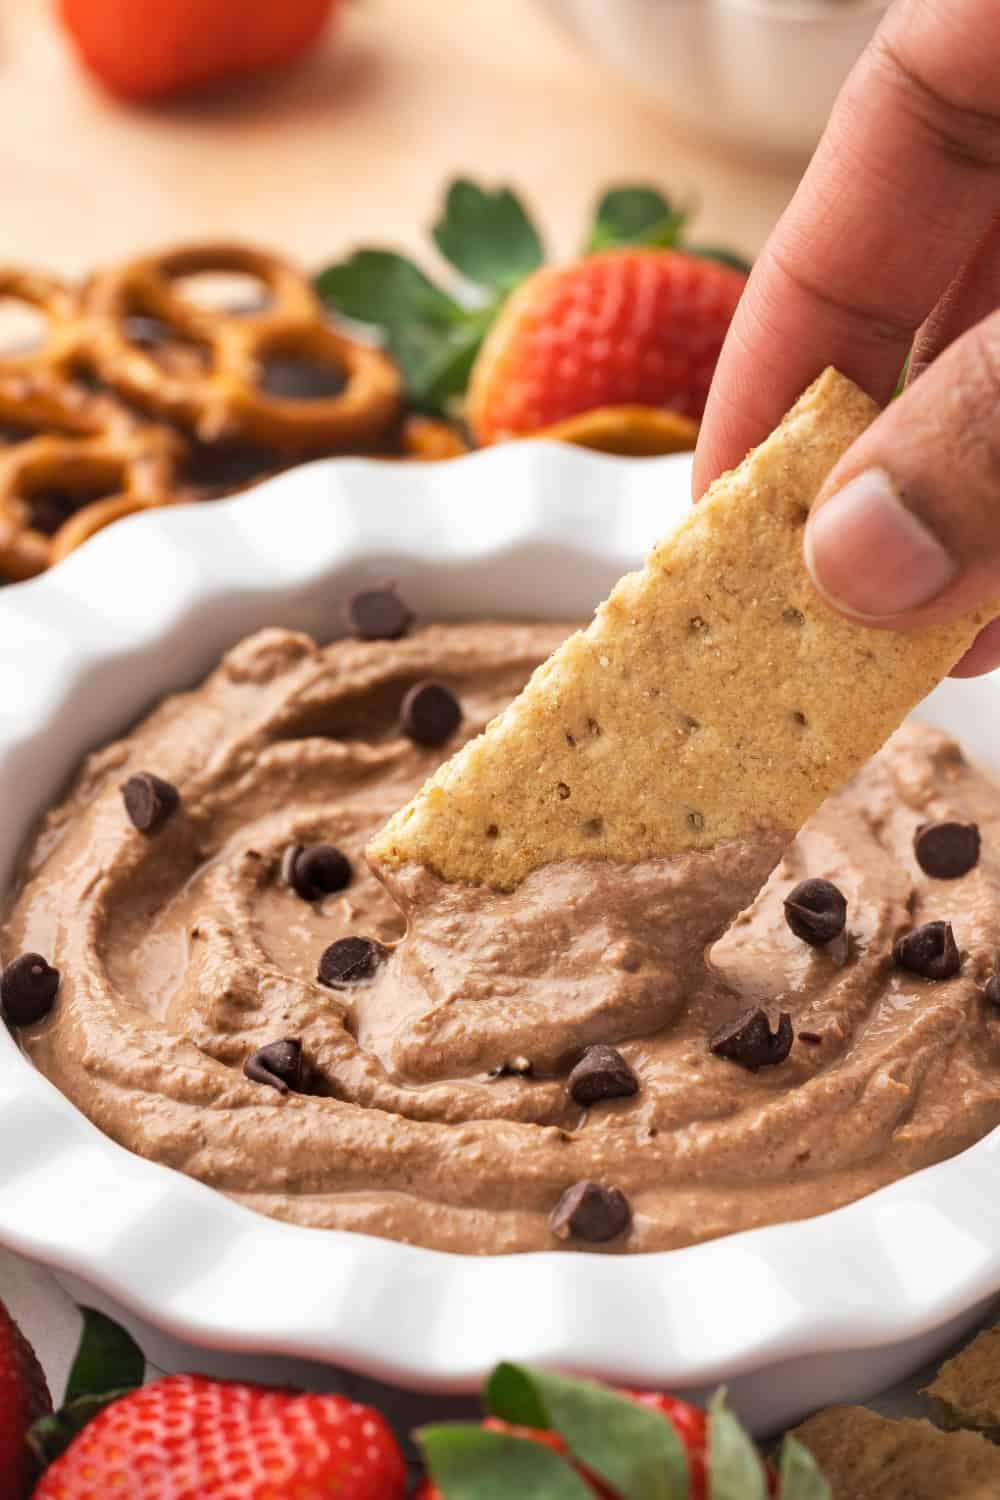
[565, 1013]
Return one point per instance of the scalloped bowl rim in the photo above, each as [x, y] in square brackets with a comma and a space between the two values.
[889, 1268]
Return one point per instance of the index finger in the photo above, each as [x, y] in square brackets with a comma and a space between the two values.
[903, 185]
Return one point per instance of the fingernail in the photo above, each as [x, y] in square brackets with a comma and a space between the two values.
[869, 555]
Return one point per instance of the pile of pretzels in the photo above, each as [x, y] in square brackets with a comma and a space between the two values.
[139, 395]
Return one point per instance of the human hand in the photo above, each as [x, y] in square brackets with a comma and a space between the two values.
[892, 239]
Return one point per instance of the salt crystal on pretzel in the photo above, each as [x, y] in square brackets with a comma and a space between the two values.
[714, 693]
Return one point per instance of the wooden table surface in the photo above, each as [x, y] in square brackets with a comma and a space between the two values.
[352, 146]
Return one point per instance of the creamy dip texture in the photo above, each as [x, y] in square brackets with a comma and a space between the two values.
[437, 1110]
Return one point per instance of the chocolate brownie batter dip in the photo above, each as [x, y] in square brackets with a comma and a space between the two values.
[460, 1089]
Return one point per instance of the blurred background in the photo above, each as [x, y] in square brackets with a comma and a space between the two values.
[489, 141]
[353, 143]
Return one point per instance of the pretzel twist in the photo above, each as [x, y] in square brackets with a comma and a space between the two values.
[56, 491]
[46, 388]
[225, 399]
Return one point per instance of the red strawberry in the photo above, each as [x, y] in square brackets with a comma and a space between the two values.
[628, 327]
[637, 322]
[24, 1397]
[187, 1436]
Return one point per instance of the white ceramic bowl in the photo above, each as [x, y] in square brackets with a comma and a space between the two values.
[757, 75]
[791, 1316]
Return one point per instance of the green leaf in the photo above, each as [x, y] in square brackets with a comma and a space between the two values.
[488, 237]
[634, 216]
[380, 287]
[436, 364]
[108, 1359]
[433, 339]
[735, 1469]
[50, 1436]
[634, 1449]
[469, 1463]
[721, 254]
[108, 1365]
[800, 1474]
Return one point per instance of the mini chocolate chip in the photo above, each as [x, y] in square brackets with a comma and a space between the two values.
[378, 614]
[279, 1065]
[349, 961]
[749, 1041]
[816, 911]
[430, 714]
[316, 870]
[793, 616]
[930, 951]
[588, 1211]
[696, 820]
[811, 1038]
[601, 1073]
[149, 800]
[562, 791]
[28, 988]
[946, 850]
[515, 1067]
[991, 989]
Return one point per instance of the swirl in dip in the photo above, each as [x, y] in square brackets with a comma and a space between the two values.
[184, 950]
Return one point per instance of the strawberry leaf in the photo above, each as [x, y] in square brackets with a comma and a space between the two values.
[108, 1364]
[468, 1463]
[380, 287]
[432, 338]
[50, 1436]
[436, 363]
[634, 216]
[734, 1465]
[107, 1359]
[800, 1475]
[719, 253]
[487, 237]
[635, 1450]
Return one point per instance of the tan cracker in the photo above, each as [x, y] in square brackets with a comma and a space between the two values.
[868, 1457]
[966, 1391]
[714, 693]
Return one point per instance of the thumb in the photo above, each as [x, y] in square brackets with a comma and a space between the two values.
[906, 530]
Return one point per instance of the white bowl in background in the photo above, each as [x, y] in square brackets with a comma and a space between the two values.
[757, 75]
[791, 1316]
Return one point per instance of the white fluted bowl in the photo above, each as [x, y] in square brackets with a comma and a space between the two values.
[791, 1316]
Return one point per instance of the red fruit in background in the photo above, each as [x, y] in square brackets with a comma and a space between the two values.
[625, 327]
[190, 1436]
[145, 49]
[24, 1397]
